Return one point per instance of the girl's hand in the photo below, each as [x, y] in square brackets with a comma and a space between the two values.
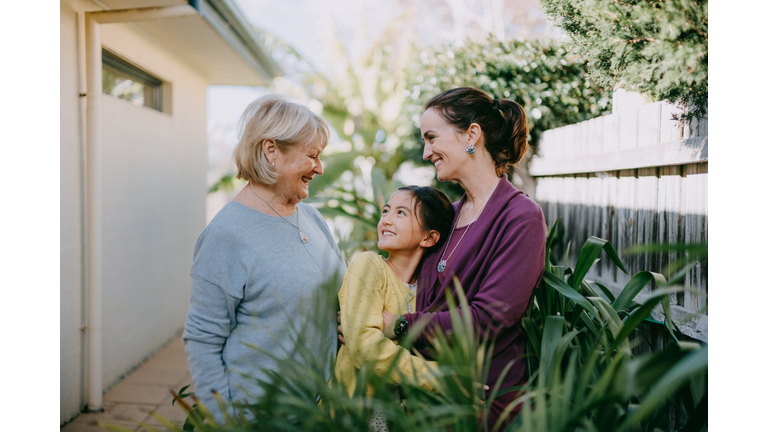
[389, 324]
[338, 327]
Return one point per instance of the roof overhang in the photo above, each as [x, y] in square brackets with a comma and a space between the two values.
[218, 41]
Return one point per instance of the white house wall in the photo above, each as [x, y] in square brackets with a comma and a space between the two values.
[154, 208]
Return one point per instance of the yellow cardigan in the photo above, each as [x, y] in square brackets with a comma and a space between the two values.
[369, 287]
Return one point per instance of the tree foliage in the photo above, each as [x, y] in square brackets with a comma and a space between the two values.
[657, 47]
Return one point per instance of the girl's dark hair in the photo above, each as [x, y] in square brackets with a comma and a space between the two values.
[433, 210]
[503, 122]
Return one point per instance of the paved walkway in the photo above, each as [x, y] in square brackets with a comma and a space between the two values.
[144, 392]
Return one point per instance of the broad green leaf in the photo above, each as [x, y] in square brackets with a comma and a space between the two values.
[603, 385]
[634, 286]
[589, 252]
[559, 271]
[569, 292]
[380, 190]
[609, 314]
[588, 290]
[553, 331]
[632, 321]
[533, 337]
[671, 326]
[560, 349]
[608, 294]
[550, 238]
[683, 371]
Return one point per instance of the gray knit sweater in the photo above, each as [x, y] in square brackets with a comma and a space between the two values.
[252, 277]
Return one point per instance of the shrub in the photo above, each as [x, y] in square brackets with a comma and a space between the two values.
[583, 373]
[582, 340]
[658, 48]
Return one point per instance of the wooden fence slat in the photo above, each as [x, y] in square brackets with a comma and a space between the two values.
[582, 141]
[695, 230]
[628, 123]
[670, 130]
[647, 209]
[649, 124]
[610, 133]
[625, 214]
[670, 186]
[595, 136]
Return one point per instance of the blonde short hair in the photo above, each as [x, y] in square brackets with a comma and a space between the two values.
[273, 117]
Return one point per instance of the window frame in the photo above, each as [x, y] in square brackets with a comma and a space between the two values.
[159, 88]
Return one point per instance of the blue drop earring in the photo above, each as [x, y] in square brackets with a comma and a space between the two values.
[471, 149]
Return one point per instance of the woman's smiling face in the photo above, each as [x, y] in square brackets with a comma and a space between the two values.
[443, 145]
[398, 227]
[296, 168]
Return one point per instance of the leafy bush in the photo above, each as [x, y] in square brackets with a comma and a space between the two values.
[548, 82]
[583, 374]
[658, 48]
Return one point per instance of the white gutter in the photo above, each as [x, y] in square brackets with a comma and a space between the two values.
[94, 179]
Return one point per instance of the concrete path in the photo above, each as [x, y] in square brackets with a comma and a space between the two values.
[144, 392]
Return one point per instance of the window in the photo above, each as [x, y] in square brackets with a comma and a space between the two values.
[123, 80]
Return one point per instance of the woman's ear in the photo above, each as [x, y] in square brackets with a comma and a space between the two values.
[474, 132]
[429, 239]
[270, 150]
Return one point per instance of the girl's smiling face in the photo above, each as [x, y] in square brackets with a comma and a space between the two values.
[399, 228]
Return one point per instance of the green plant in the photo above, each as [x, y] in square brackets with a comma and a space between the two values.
[658, 48]
[290, 394]
[583, 374]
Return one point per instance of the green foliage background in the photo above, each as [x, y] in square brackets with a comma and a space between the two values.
[659, 48]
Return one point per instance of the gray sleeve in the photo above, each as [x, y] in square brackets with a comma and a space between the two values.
[210, 319]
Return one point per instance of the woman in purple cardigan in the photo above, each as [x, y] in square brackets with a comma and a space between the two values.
[497, 245]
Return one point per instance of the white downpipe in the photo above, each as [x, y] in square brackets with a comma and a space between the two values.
[82, 88]
[95, 180]
[95, 223]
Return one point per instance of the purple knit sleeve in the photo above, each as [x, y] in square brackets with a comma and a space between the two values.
[514, 271]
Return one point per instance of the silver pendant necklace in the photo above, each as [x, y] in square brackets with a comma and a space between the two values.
[443, 262]
[298, 213]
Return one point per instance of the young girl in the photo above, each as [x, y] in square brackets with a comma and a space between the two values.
[414, 220]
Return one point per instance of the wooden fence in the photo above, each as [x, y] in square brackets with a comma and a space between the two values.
[633, 177]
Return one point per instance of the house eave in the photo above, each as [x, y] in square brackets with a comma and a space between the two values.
[217, 40]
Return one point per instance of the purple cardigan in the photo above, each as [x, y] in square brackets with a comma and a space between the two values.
[499, 263]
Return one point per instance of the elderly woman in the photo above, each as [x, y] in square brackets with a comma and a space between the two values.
[263, 262]
[497, 244]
